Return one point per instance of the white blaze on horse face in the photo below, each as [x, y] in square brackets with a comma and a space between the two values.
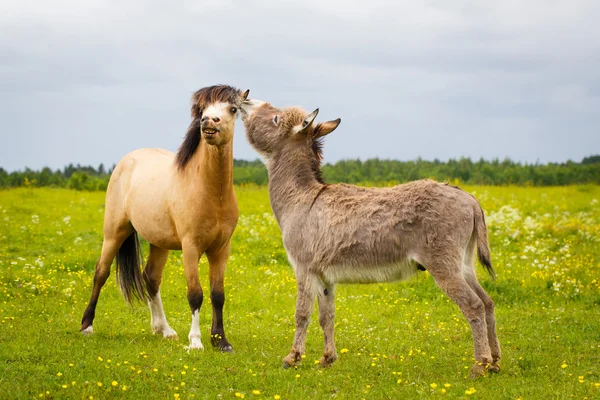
[250, 106]
[194, 336]
[158, 320]
[224, 118]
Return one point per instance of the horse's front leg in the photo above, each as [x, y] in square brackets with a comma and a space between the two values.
[191, 256]
[304, 306]
[217, 260]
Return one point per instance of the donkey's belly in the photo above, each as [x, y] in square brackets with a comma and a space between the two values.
[370, 274]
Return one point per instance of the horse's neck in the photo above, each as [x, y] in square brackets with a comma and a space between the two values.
[211, 169]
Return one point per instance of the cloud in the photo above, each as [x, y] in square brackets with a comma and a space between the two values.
[89, 81]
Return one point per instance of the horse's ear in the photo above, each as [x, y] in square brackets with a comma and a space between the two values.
[245, 95]
[325, 128]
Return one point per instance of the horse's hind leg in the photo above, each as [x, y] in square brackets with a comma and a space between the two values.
[110, 246]
[217, 262]
[153, 277]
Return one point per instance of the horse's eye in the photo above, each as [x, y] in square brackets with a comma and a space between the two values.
[233, 110]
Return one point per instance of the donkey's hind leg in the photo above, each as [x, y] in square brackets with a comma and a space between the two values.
[326, 300]
[490, 319]
[153, 277]
[110, 246]
[452, 282]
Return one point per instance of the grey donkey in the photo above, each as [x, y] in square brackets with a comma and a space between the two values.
[347, 234]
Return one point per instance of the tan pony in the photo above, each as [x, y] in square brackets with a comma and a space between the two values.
[348, 234]
[182, 201]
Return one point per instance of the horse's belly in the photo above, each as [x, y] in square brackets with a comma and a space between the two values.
[156, 229]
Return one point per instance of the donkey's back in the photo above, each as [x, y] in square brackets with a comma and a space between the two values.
[363, 235]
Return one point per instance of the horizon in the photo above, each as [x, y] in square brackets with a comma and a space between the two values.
[109, 167]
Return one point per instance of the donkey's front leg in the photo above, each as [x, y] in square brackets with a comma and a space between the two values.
[217, 261]
[191, 256]
[304, 307]
[326, 298]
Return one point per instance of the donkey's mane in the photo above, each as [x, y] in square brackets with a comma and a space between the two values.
[317, 148]
[201, 99]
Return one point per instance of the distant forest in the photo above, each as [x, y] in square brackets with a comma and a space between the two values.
[373, 171]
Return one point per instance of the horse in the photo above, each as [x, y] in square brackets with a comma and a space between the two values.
[183, 201]
[348, 234]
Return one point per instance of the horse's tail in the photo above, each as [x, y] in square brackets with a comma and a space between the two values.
[483, 248]
[129, 273]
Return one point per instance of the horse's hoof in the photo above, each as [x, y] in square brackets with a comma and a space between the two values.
[219, 342]
[87, 331]
[226, 349]
[195, 344]
[170, 334]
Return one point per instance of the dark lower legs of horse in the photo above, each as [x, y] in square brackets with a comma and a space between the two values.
[109, 250]
[217, 261]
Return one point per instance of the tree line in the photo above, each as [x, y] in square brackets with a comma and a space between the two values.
[372, 171]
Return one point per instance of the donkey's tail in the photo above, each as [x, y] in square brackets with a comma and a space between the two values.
[129, 274]
[483, 249]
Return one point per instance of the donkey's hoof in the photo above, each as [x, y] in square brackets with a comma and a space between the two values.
[289, 361]
[87, 331]
[327, 360]
[479, 370]
[494, 368]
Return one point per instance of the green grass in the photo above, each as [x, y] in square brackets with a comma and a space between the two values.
[397, 340]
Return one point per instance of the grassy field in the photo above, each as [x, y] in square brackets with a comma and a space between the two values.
[401, 340]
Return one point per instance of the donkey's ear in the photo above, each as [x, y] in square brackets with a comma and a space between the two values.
[325, 128]
[308, 120]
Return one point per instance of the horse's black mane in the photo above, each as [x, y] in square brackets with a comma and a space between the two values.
[201, 99]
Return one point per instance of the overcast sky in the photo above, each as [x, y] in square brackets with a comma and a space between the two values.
[88, 81]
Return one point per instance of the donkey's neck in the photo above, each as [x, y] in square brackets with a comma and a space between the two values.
[293, 182]
[211, 169]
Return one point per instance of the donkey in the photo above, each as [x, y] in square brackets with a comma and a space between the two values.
[347, 234]
[182, 201]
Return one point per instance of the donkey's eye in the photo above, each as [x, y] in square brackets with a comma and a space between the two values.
[233, 110]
